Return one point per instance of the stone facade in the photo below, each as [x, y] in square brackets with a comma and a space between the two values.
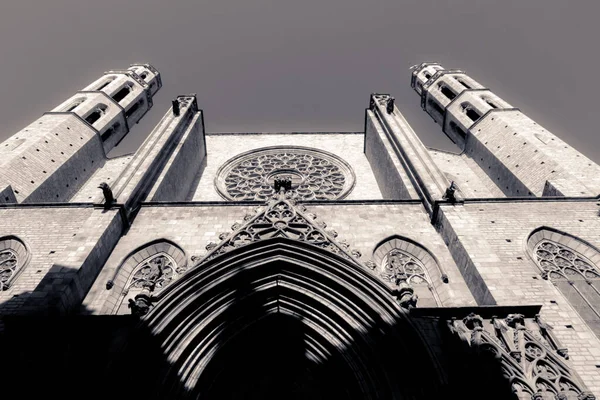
[309, 265]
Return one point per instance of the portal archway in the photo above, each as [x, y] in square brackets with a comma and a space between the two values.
[323, 318]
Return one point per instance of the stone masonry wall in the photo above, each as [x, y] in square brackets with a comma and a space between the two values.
[348, 146]
[488, 241]
[363, 226]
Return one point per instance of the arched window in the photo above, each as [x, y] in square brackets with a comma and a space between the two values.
[456, 129]
[96, 114]
[106, 82]
[436, 106]
[572, 271]
[490, 102]
[134, 108]
[121, 94]
[110, 131]
[446, 91]
[13, 257]
[427, 74]
[462, 82]
[148, 270]
[144, 75]
[75, 104]
[470, 111]
[405, 264]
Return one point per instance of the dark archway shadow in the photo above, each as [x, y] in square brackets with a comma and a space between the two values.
[276, 320]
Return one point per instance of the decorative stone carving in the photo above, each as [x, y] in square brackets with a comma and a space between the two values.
[313, 175]
[450, 193]
[109, 199]
[281, 218]
[529, 354]
[155, 273]
[559, 262]
[8, 267]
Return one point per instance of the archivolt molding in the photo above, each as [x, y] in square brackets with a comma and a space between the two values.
[14, 256]
[347, 312]
[530, 355]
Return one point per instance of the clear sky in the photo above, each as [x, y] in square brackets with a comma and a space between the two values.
[305, 65]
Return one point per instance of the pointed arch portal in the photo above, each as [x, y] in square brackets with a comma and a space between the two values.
[285, 319]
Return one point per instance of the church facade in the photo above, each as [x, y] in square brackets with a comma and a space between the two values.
[358, 265]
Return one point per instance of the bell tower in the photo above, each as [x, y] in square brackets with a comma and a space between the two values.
[520, 156]
[49, 160]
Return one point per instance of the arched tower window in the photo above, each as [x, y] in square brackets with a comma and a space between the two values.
[446, 91]
[13, 257]
[148, 270]
[470, 111]
[110, 131]
[572, 271]
[490, 102]
[134, 108]
[436, 106]
[427, 74]
[121, 94]
[405, 264]
[75, 104]
[462, 82]
[106, 82]
[96, 114]
[456, 129]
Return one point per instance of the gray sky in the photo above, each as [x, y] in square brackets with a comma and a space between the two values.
[305, 65]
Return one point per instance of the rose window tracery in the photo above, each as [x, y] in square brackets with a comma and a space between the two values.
[561, 263]
[8, 266]
[315, 174]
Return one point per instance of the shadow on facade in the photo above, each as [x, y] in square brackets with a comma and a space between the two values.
[264, 339]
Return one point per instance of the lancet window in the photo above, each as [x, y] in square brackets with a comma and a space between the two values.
[575, 275]
[13, 257]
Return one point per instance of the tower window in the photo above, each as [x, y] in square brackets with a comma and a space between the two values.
[456, 129]
[106, 82]
[465, 84]
[110, 131]
[96, 114]
[490, 102]
[471, 113]
[143, 75]
[121, 94]
[436, 106]
[446, 91]
[427, 75]
[133, 108]
[75, 104]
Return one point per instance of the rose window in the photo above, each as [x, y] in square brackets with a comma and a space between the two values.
[315, 174]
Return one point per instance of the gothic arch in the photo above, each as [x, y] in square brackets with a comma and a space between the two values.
[352, 335]
[573, 267]
[417, 266]
[156, 264]
[14, 256]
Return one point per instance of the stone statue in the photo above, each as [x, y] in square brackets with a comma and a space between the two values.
[176, 109]
[108, 194]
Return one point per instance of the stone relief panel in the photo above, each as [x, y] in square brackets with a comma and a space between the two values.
[315, 174]
[13, 258]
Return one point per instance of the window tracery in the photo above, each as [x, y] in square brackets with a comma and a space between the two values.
[315, 174]
[8, 266]
[155, 273]
[574, 275]
[13, 257]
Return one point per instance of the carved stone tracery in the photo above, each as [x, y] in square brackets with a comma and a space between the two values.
[314, 174]
[530, 355]
[8, 267]
[559, 262]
